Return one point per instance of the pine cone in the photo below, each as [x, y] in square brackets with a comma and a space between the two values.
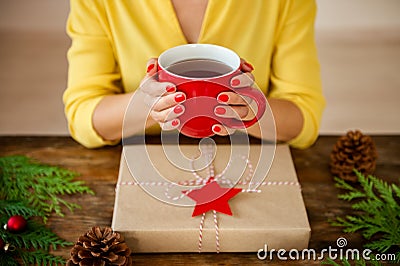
[100, 246]
[353, 151]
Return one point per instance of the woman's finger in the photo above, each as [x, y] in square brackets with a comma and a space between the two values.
[154, 88]
[151, 70]
[168, 114]
[238, 112]
[242, 80]
[245, 66]
[233, 98]
[220, 130]
[168, 101]
[150, 85]
[151, 67]
[170, 125]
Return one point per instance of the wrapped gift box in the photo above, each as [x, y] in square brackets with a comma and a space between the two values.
[276, 216]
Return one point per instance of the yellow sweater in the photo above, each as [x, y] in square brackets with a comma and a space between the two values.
[112, 41]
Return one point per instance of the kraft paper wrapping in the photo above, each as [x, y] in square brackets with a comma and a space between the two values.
[276, 216]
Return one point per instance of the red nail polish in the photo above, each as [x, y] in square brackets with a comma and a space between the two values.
[220, 110]
[249, 66]
[223, 98]
[180, 98]
[217, 129]
[235, 82]
[175, 122]
[170, 88]
[149, 68]
[178, 109]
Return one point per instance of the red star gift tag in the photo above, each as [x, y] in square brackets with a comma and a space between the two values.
[212, 197]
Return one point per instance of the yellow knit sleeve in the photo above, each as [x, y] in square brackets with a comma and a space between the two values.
[295, 72]
[93, 72]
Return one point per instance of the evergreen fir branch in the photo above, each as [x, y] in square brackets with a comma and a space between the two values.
[349, 223]
[368, 186]
[378, 212]
[329, 261]
[30, 189]
[36, 236]
[368, 206]
[6, 259]
[396, 189]
[340, 183]
[352, 195]
[39, 257]
[384, 190]
[371, 231]
[41, 185]
[33, 244]
[10, 208]
[366, 222]
[381, 245]
[346, 262]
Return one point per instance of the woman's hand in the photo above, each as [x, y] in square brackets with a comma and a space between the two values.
[162, 98]
[233, 105]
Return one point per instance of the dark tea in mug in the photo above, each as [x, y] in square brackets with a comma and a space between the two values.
[199, 68]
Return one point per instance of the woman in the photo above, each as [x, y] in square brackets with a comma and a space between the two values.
[112, 41]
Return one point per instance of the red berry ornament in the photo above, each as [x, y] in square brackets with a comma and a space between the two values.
[16, 224]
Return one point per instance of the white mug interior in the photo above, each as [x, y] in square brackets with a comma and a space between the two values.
[199, 51]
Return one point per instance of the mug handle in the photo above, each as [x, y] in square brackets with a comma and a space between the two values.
[261, 102]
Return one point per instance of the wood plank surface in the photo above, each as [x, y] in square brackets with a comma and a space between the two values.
[99, 169]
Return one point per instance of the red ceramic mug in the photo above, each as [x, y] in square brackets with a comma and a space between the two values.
[202, 71]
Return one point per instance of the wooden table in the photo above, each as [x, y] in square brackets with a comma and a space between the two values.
[99, 169]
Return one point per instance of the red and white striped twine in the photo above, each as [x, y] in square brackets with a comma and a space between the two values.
[195, 182]
[201, 231]
[216, 231]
